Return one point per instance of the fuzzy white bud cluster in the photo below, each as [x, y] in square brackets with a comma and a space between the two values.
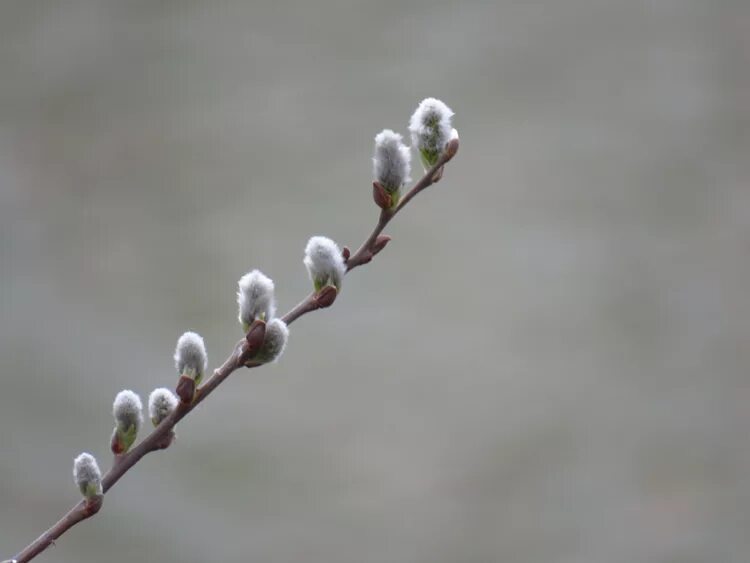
[256, 301]
[190, 356]
[87, 475]
[127, 410]
[277, 334]
[430, 127]
[324, 262]
[161, 403]
[392, 160]
[255, 297]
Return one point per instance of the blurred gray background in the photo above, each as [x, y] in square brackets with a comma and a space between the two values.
[548, 364]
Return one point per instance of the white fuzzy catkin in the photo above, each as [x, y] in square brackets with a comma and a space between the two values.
[391, 163]
[255, 297]
[277, 334]
[324, 262]
[190, 356]
[87, 475]
[431, 129]
[161, 403]
[127, 410]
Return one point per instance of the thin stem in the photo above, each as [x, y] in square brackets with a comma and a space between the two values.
[77, 514]
[155, 440]
[302, 308]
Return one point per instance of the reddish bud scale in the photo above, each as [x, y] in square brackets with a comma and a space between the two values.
[381, 196]
[93, 505]
[185, 389]
[380, 243]
[451, 149]
[115, 445]
[325, 297]
[255, 336]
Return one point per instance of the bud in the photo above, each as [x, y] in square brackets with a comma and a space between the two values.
[190, 356]
[380, 243]
[185, 389]
[128, 418]
[381, 197]
[324, 263]
[255, 298]
[391, 164]
[430, 127]
[452, 147]
[161, 403]
[255, 336]
[277, 334]
[87, 475]
[326, 296]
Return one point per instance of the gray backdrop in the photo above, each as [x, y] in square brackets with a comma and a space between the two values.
[548, 364]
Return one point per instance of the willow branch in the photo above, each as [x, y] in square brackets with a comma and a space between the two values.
[241, 356]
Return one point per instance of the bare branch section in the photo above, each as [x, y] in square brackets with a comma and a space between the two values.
[246, 352]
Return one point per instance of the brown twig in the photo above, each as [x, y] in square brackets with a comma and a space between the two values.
[240, 357]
